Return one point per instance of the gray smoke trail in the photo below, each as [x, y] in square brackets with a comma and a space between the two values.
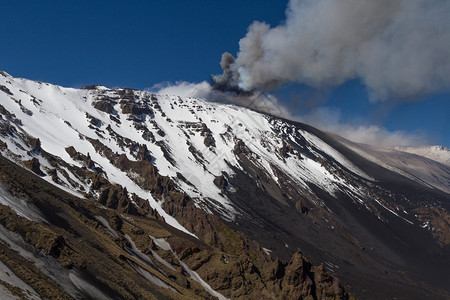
[397, 48]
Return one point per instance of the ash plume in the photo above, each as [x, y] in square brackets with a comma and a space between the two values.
[228, 81]
[397, 48]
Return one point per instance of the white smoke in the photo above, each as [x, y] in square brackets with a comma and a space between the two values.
[397, 48]
[330, 120]
[258, 101]
[183, 89]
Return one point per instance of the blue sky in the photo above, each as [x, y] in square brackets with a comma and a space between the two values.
[137, 44]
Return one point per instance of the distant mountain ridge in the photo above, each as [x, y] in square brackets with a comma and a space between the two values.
[198, 199]
[437, 153]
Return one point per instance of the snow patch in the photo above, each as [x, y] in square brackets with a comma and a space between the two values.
[20, 206]
[107, 226]
[8, 276]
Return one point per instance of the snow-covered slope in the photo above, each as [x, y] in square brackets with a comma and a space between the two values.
[67, 111]
[192, 137]
[429, 171]
[285, 184]
[438, 153]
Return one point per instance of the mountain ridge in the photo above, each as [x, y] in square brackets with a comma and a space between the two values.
[438, 153]
[212, 169]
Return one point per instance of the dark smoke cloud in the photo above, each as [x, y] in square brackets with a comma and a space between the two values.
[226, 81]
[397, 48]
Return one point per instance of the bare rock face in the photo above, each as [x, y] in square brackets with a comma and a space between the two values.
[240, 148]
[80, 157]
[5, 90]
[209, 140]
[193, 219]
[286, 149]
[116, 197]
[301, 279]
[115, 220]
[94, 121]
[104, 106]
[437, 219]
[35, 145]
[241, 277]
[221, 182]
[35, 166]
[130, 107]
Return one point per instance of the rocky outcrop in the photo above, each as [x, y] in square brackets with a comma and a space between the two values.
[86, 159]
[221, 182]
[437, 221]
[209, 140]
[116, 197]
[104, 105]
[130, 107]
[240, 148]
[34, 165]
[241, 277]
[5, 90]
[286, 149]
[93, 120]
[35, 145]
[302, 280]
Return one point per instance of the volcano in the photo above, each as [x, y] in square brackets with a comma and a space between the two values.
[126, 194]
